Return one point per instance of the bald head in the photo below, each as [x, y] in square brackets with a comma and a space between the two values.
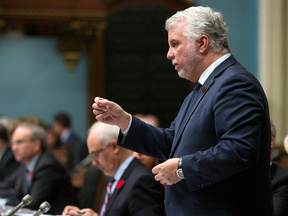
[102, 145]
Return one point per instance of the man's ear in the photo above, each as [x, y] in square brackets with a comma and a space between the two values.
[272, 140]
[37, 145]
[115, 147]
[203, 44]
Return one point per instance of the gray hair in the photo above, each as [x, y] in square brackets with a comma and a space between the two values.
[203, 21]
[104, 132]
[37, 133]
[273, 129]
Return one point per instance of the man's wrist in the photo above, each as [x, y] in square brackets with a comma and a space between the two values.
[127, 125]
[179, 170]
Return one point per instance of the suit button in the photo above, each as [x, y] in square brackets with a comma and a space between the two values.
[198, 185]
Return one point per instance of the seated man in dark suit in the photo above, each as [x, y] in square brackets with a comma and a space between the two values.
[7, 161]
[42, 175]
[9, 167]
[133, 191]
[279, 178]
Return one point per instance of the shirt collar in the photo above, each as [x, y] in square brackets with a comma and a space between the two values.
[121, 169]
[30, 167]
[64, 136]
[211, 68]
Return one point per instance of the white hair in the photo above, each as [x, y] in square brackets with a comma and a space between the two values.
[104, 132]
[203, 21]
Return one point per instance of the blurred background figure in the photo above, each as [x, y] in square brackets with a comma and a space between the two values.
[10, 184]
[7, 161]
[53, 140]
[69, 140]
[9, 167]
[279, 178]
[62, 126]
[149, 162]
[42, 176]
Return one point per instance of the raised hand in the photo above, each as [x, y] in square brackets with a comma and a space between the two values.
[110, 113]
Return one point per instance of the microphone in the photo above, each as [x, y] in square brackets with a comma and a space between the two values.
[26, 200]
[82, 164]
[43, 208]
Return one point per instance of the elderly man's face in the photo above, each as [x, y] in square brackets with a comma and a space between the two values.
[23, 147]
[102, 156]
[183, 52]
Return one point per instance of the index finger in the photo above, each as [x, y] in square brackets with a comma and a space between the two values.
[156, 169]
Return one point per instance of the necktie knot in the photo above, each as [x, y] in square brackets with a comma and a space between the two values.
[197, 86]
[111, 181]
[195, 90]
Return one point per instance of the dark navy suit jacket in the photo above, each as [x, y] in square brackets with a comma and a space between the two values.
[7, 164]
[224, 140]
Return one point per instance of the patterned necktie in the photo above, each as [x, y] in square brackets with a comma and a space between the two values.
[27, 178]
[195, 91]
[194, 94]
[107, 196]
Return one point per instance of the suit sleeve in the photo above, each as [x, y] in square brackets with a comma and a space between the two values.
[144, 135]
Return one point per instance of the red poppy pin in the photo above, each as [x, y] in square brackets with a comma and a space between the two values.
[120, 184]
[203, 89]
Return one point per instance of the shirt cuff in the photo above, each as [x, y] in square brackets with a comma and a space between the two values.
[127, 129]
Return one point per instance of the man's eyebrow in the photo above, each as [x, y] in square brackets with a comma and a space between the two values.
[173, 41]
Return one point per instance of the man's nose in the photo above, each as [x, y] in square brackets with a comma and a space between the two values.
[95, 162]
[170, 55]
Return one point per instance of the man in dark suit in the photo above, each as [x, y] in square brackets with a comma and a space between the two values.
[69, 140]
[9, 167]
[279, 178]
[42, 175]
[217, 149]
[7, 161]
[133, 191]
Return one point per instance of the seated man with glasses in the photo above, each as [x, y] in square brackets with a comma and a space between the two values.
[42, 175]
[132, 189]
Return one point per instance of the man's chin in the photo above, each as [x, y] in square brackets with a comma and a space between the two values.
[181, 74]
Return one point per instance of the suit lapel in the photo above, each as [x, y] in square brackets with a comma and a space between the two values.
[192, 106]
[35, 171]
[190, 110]
[125, 175]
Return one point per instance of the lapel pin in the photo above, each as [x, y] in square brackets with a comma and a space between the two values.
[120, 184]
[203, 89]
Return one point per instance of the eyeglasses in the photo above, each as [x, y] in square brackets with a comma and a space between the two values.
[19, 142]
[95, 154]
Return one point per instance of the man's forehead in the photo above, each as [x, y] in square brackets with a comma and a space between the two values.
[21, 130]
[94, 143]
[176, 31]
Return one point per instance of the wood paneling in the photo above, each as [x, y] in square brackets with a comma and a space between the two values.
[86, 20]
